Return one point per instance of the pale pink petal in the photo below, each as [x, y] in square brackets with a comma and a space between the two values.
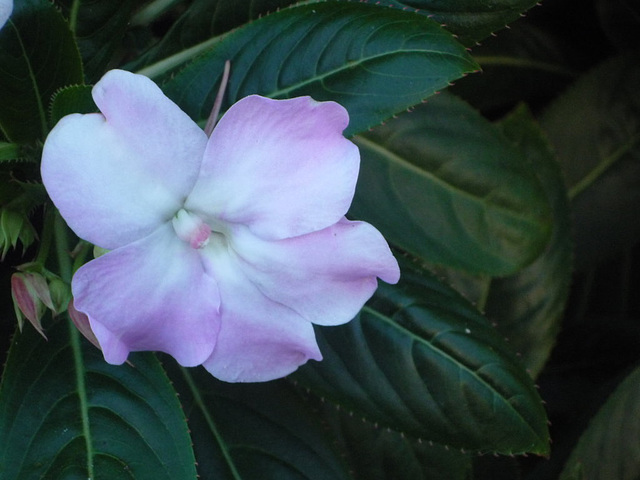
[259, 340]
[282, 167]
[325, 276]
[115, 180]
[6, 7]
[153, 294]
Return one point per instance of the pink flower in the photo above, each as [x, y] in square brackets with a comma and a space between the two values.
[223, 250]
[6, 7]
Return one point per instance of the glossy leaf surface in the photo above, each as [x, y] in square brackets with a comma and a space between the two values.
[471, 20]
[375, 62]
[66, 413]
[422, 361]
[250, 431]
[442, 182]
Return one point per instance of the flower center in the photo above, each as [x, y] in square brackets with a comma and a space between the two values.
[191, 229]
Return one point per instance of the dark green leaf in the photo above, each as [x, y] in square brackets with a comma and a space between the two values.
[471, 20]
[375, 62]
[99, 26]
[595, 130]
[73, 99]
[205, 19]
[66, 413]
[422, 361]
[529, 306]
[621, 22]
[609, 447]
[254, 431]
[523, 63]
[38, 55]
[447, 186]
[378, 453]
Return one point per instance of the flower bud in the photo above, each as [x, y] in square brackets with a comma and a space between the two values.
[31, 298]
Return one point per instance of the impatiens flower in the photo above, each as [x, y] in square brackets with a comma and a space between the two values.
[223, 251]
[6, 7]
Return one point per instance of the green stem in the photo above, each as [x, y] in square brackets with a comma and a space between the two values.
[47, 235]
[73, 15]
[486, 283]
[152, 11]
[167, 64]
[198, 400]
[74, 334]
[61, 233]
[62, 248]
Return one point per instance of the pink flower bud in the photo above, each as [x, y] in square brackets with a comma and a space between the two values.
[30, 298]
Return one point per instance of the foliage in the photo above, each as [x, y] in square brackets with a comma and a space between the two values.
[508, 195]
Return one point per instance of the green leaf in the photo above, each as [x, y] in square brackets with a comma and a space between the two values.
[66, 413]
[595, 130]
[608, 449]
[375, 62]
[521, 64]
[38, 55]
[203, 20]
[446, 185]
[99, 26]
[528, 307]
[251, 431]
[471, 20]
[377, 453]
[73, 99]
[422, 361]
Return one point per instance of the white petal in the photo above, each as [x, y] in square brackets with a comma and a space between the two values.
[116, 179]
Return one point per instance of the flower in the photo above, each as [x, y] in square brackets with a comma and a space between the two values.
[223, 250]
[6, 7]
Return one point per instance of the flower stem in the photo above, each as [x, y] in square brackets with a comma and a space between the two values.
[62, 248]
[152, 11]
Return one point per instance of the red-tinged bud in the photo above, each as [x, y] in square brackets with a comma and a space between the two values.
[81, 321]
[31, 298]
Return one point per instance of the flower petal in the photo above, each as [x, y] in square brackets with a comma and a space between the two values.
[6, 7]
[282, 167]
[115, 177]
[259, 340]
[153, 294]
[325, 276]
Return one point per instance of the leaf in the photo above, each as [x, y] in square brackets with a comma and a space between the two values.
[620, 22]
[66, 413]
[375, 62]
[445, 185]
[609, 447]
[99, 26]
[377, 453]
[521, 64]
[72, 99]
[30, 73]
[422, 361]
[528, 307]
[471, 20]
[595, 130]
[251, 431]
[203, 20]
